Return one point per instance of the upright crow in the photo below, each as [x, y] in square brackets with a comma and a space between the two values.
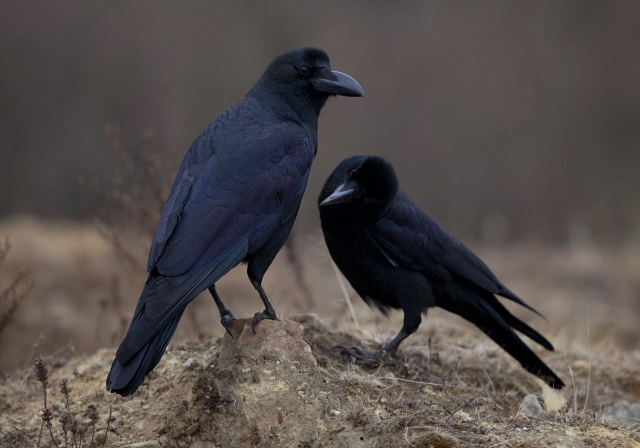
[234, 199]
[396, 256]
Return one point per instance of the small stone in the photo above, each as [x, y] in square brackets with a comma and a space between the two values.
[626, 413]
[202, 444]
[462, 416]
[190, 363]
[530, 405]
[191, 429]
[146, 444]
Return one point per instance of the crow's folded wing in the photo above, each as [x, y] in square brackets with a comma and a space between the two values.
[413, 239]
[220, 209]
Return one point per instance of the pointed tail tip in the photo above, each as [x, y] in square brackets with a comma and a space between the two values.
[543, 372]
[553, 381]
[123, 381]
[125, 390]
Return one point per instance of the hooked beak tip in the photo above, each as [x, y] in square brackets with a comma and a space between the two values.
[340, 194]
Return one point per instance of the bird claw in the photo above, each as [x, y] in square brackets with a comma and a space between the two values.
[262, 315]
[376, 359]
[226, 320]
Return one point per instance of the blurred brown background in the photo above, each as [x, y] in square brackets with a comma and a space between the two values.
[526, 111]
[516, 125]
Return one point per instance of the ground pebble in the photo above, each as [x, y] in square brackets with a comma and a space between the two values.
[462, 416]
[146, 444]
[190, 363]
[626, 413]
[530, 405]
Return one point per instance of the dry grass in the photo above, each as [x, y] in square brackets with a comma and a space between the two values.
[84, 293]
[468, 394]
[12, 295]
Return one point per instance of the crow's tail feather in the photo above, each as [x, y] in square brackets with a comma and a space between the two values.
[516, 323]
[160, 307]
[497, 327]
[125, 378]
[488, 314]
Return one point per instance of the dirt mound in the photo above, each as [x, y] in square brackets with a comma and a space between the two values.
[286, 387]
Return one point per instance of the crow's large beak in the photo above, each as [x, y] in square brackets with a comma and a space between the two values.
[344, 193]
[337, 83]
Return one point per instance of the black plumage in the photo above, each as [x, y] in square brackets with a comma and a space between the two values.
[234, 199]
[396, 256]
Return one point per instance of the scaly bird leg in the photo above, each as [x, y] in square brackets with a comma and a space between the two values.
[387, 355]
[372, 360]
[226, 317]
[268, 313]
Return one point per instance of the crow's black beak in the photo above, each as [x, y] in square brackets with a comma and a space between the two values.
[337, 83]
[344, 193]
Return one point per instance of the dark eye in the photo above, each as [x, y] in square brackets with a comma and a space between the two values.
[353, 173]
[304, 71]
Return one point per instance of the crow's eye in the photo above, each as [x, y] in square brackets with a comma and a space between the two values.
[304, 71]
[353, 173]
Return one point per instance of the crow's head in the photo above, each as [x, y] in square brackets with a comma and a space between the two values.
[361, 188]
[302, 80]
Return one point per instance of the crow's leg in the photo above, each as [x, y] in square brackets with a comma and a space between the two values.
[386, 355]
[268, 313]
[375, 359]
[226, 317]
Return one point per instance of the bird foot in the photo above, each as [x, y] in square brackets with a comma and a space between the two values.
[376, 359]
[226, 320]
[262, 315]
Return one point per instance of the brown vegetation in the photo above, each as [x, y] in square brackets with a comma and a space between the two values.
[461, 389]
[287, 387]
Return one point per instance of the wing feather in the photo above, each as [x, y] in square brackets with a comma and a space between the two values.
[417, 242]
